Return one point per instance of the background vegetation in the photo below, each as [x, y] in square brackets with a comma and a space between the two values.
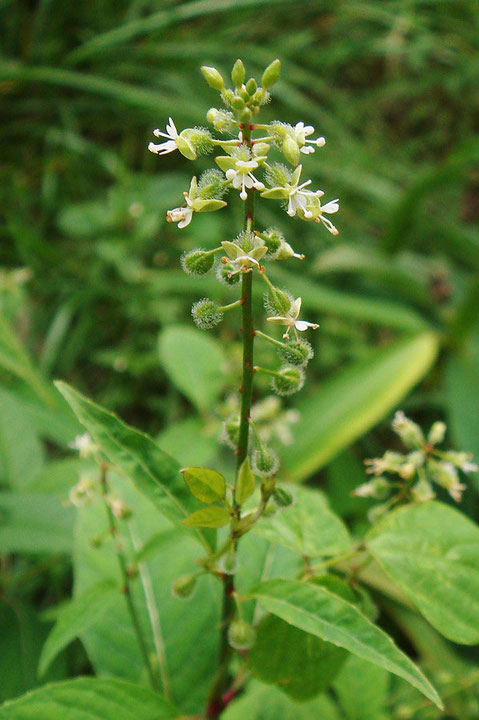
[90, 285]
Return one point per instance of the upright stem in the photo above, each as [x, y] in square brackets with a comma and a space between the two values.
[217, 700]
[126, 589]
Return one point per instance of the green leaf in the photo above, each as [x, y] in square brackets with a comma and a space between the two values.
[362, 689]
[353, 401]
[432, 552]
[206, 485]
[307, 526]
[301, 664]
[261, 702]
[209, 517]
[319, 611]
[21, 453]
[76, 617]
[15, 359]
[153, 472]
[462, 381]
[245, 483]
[89, 699]
[194, 364]
[172, 627]
[31, 523]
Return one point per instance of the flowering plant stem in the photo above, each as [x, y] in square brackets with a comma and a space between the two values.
[126, 586]
[217, 701]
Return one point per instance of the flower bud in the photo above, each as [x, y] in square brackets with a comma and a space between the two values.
[238, 73]
[422, 491]
[277, 302]
[291, 150]
[251, 86]
[238, 103]
[286, 252]
[408, 431]
[273, 239]
[227, 274]
[241, 635]
[206, 314]
[288, 380]
[436, 433]
[213, 77]
[271, 74]
[246, 115]
[222, 120]
[184, 586]
[296, 352]
[261, 149]
[264, 461]
[282, 497]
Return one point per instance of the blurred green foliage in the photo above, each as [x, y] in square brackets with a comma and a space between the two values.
[89, 269]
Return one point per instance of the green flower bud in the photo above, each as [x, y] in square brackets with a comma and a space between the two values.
[260, 149]
[212, 185]
[278, 175]
[241, 635]
[422, 491]
[288, 381]
[227, 274]
[273, 239]
[238, 73]
[184, 586]
[245, 115]
[278, 303]
[291, 150]
[206, 314]
[230, 434]
[227, 96]
[296, 352]
[213, 77]
[261, 96]
[271, 74]
[436, 433]
[282, 497]
[409, 432]
[251, 86]
[264, 461]
[286, 252]
[238, 103]
[185, 147]
[197, 262]
[244, 95]
[222, 120]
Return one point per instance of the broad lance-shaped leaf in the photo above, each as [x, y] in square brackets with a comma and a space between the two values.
[89, 699]
[307, 526]
[85, 610]
[154, 473]
[319, 611]
[432, 552]
[194, 363]
[353, 401]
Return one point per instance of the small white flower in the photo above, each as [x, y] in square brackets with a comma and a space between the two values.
[299, 198]
[181, 215]
[291, 320]
[301, 132]
[84, 444]
[242, 177]
[330, 208]
[170, 145]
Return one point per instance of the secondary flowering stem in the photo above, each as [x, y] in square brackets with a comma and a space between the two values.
[126, 589]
